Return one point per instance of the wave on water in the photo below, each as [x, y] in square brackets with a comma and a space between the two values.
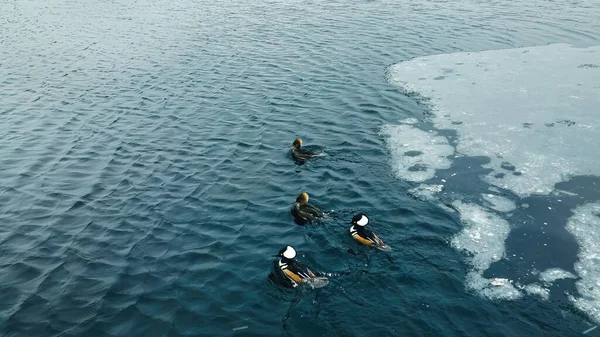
[531, 112]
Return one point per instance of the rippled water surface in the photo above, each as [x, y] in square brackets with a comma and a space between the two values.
[145, 181]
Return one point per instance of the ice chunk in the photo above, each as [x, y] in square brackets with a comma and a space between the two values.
[415, 153]
[553, 274]
[536, 289]
[426, 192]
[495, 289]
[499, 203]
[483, 235]
[507, 105]
[585, 226]
[483, 238]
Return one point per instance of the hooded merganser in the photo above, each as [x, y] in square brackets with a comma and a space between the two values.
[303, 212]
[300, 155]
[364, 236]
[295, 271]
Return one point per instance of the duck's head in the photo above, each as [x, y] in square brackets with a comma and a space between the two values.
[360, 220]
[287, 253]
[302, 199]
[297, 143]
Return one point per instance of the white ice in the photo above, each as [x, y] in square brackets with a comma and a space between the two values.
[416, 154]
[585, 227]
[553, 274]
[483, 237]
[535, 108]
[499, 203]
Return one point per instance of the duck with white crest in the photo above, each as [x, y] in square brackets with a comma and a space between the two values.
[364, 236]
[297, 273]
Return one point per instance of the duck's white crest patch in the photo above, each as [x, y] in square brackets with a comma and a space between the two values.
[289, 253]
[363, 221]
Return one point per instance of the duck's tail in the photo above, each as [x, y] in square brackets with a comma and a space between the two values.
[317, 281]
[384, 247]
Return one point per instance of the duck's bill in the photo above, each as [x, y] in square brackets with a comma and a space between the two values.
[317, 282]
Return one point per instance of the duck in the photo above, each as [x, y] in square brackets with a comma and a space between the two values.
[300, 155]
[303, 212]
[295, 272]
[364, 236]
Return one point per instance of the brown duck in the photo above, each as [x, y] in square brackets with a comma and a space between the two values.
[303, 212]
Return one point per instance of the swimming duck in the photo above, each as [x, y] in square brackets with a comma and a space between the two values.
[300, 155]
[293, 270]
[303, 212]
[364, 236]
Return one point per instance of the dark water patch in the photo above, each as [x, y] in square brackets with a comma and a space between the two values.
[543, 228]
[460, 176]
[508, 166]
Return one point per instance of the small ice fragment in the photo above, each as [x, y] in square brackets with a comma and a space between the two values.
[499, 282]
[536, 289]
[240, 328]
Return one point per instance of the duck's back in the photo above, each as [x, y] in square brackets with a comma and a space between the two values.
[300, 154]
[312, 210]
[305, 213]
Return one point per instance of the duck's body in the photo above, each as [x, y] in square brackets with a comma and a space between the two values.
[295, 272]
[299, 154]
[303, 212]
[364, 236]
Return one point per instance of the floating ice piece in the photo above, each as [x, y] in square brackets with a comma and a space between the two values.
[499, 281]
[553, 274]
[483, 235]
[426, 192]
[506, 105]
[415, 153]
[585, 227]
[536, 289]
[495, 289]
[499, 203]
[483, 238]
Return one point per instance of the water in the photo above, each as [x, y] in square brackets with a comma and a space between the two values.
[145, 181]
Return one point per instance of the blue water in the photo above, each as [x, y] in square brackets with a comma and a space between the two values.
[145, 180]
